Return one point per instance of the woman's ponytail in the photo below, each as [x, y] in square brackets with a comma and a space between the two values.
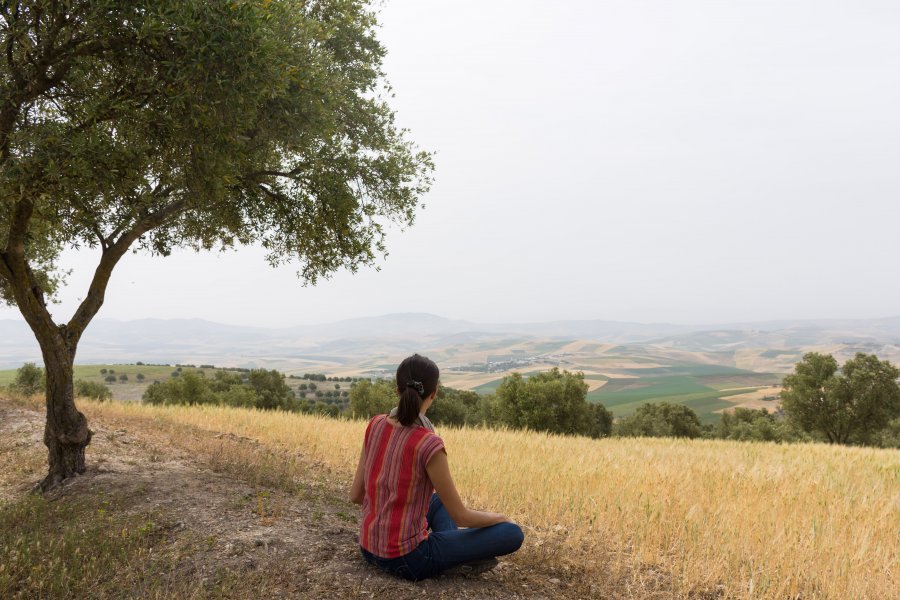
[409, 407]
[417, 379]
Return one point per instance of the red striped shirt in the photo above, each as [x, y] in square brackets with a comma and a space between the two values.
[398, 489]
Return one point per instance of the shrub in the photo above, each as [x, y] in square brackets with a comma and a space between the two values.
[92, 389]
[29, 379]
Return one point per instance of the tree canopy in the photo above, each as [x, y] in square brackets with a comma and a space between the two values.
[201, 125]
[552, 401]
[850, 406]
[150, 126]
[662, 419]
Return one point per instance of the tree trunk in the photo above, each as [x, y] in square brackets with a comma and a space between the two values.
[66, 433]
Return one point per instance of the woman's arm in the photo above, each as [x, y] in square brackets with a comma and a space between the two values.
[439, 472]
[358, 489]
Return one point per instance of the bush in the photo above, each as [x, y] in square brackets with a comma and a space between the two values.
[29, 380]
[110, 379]
[139, 377]
[664, 419]
[123, 377]
[92, 389]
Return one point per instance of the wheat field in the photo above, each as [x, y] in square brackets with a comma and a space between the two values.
[746, 520]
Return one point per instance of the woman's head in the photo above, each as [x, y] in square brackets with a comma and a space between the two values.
[417, 379]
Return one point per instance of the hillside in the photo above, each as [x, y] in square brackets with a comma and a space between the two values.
[372, 344]
[235, 503]
[709, 369]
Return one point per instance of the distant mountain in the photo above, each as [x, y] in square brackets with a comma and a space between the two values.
[355, 341]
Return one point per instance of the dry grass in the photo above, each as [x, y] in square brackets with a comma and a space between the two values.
[755, 399]
[745, 520]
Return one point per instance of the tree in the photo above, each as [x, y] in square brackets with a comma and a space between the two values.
[368, 399]
[29, 379]
[134, 126]
[190, 388]
[123, 377]
[455, 407]
[600, 420]
[663, 419]
[850, 406]
[745, 424]
[110, 378]
[273, 392]
[554, 401]
[140, 377]
[240, 395]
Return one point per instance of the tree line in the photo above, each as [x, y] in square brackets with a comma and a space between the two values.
[858, 403]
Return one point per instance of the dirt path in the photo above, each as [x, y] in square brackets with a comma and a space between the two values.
[293, 544]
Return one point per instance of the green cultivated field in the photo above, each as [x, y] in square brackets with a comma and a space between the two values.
[699, 386]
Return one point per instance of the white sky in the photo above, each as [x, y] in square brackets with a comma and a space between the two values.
[685, 161]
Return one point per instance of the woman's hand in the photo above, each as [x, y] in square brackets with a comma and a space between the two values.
[496, 518]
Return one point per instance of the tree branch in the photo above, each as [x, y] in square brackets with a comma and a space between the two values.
[26, 289]
[110, 258]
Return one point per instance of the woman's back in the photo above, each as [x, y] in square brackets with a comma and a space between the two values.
[397, 486]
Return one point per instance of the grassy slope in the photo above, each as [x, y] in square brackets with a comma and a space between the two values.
[824, 519]
[168, 510]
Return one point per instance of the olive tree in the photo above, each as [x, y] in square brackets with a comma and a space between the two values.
[662, 419]
[852, 405]
[150, 126]
[368, 399]
[554, 401]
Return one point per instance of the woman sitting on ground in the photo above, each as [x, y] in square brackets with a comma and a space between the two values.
[402, 463]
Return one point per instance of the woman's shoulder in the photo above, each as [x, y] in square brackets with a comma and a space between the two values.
[376, 422]
[428, 437]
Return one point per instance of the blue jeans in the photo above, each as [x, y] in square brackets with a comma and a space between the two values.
[448, 546]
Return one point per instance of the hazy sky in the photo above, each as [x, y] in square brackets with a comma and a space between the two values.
[683, 161]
